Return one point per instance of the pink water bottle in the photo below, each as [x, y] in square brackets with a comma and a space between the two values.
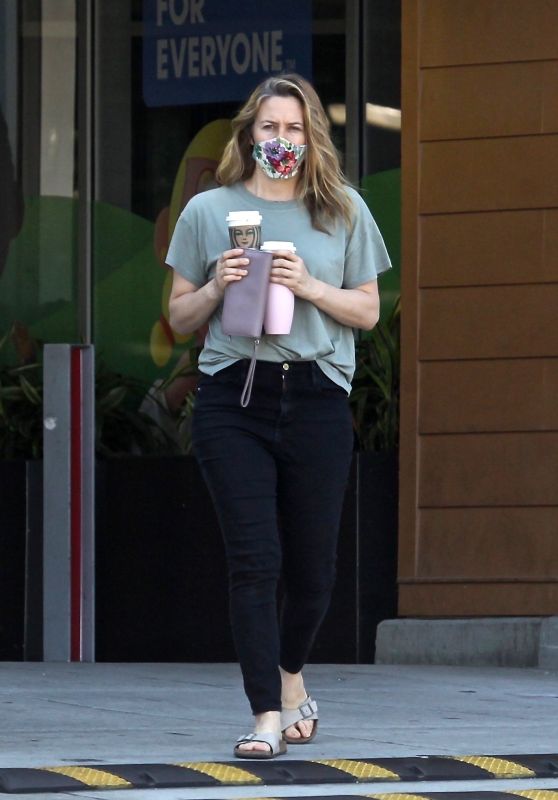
[280, 299]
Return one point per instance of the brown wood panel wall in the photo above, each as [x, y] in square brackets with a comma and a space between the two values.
[489, 174]
[489, 322]
[488, 469]
[410, 163]
[479, 420]
[503, 247]
[500, 395]
[477, 599]
[489, 100]
[522, 537]
[486, 31]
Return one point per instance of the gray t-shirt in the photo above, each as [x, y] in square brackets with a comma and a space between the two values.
[344, 258]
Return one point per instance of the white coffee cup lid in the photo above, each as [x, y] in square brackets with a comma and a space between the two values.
[244, 218]
[271, 246]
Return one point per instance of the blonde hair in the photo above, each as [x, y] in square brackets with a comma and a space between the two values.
[322, 185]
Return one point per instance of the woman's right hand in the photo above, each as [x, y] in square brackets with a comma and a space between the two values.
[191, 306]
[231, 266]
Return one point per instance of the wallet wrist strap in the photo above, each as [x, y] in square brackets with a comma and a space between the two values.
[248, 383]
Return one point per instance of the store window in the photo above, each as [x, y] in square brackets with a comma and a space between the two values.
[381, 167]
[169, 76]
[38, 185]
[150, 139]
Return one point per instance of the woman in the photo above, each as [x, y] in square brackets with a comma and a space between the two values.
[277, 470]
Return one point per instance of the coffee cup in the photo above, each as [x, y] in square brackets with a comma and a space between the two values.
[279, 310]
[245, 229]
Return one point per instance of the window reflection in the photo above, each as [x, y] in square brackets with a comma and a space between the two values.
[38, 254]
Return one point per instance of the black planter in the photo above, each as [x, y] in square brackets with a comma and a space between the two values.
[20, 583]
[366, 587]
[161, 586]
[161, 576]
[12, 559]
[160, 571]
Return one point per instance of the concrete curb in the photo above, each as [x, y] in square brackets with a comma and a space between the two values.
[548, 643]
[492, 641]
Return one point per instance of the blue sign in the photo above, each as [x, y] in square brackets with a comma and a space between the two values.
[208, 51]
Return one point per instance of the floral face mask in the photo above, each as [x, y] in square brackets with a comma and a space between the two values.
[278, 157]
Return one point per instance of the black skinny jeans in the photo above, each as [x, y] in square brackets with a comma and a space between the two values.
[277, 472]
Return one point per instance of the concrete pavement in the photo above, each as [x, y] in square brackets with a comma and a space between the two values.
[90, 714]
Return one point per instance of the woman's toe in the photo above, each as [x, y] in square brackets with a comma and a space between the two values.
[293, 732]
[302, 730]
[255, 746]
[306, 729]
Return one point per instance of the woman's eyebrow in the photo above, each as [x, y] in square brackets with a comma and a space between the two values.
[274, 122]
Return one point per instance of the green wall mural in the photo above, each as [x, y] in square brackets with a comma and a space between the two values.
[131, 281]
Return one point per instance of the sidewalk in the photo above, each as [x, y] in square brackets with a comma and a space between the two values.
[61, 714]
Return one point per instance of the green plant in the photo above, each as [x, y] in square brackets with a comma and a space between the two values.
[21, 406]
[374, 397]
[120, 427]
[179, 389]
[184, 424]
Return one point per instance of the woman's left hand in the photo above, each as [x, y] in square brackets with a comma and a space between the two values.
[290, 270]
[356, 308]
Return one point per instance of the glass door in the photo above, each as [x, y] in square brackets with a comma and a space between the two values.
[168, 78]
[38, 189]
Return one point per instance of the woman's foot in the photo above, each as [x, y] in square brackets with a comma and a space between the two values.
[268, 722]
[293, 694]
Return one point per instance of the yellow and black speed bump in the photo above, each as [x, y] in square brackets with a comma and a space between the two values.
[532, 794]
[278, 773]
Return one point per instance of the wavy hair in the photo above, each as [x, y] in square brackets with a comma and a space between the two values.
[322, 185]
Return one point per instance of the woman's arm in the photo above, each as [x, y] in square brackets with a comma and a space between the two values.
[190, 307]
[356, 308]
